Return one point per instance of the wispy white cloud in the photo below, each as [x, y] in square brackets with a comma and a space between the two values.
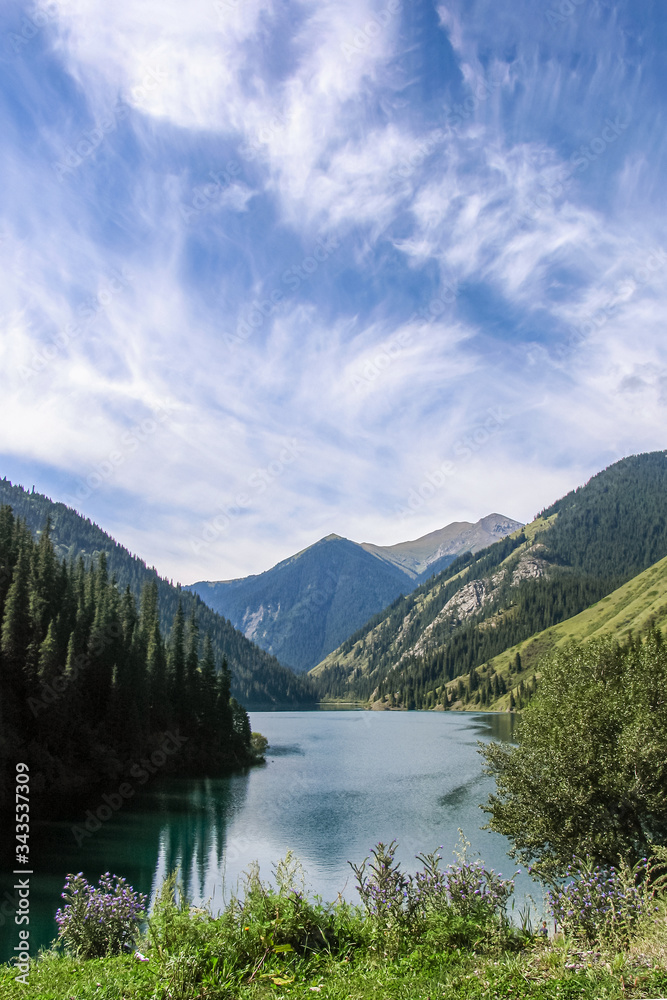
[287, 235]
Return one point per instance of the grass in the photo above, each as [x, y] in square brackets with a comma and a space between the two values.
[277, 943]
[540, 971]
[640, 602]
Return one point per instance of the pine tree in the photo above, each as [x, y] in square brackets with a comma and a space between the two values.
[158, 681]
[177, 665]
[191, 671]
[16, 629]
[49, 664]
[208, 691]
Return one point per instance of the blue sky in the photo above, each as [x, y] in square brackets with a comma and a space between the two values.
[271, 270]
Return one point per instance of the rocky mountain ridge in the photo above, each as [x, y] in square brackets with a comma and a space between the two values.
[309, 603]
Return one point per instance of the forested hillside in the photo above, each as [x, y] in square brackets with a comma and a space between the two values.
[577, 551]
[257, 678]
[87, 682]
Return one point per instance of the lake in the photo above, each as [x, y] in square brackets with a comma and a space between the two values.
[335, 783]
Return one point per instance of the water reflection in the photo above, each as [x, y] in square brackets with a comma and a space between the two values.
[335, 784]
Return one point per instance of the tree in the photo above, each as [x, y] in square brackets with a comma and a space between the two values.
[207, 689]
[177, 663]
[588, 777]
[16, 628]
[49, 665]
[191, 669]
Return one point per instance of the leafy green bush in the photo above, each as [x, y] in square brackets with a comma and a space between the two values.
[588, 777]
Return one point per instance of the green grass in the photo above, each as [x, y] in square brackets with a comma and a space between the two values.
[278, 943]
[640, 602]
[539, 971]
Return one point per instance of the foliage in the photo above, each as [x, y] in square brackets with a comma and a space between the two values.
[605, 904]
[97, 921]
[275, 942]
[88, 681]
[258, 745]
[589, 775]
[475, 892]
[457, 902]
[590, 542]
[257, 677]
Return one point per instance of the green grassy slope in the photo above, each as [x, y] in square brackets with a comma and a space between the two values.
[632, 608]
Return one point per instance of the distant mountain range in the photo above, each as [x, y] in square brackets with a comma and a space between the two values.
[258, 679]
[305, 606]
[431, 647]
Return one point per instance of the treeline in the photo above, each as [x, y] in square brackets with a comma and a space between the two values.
[604, 533]
[87, 681]
[615, 525]
[258, 679]
[424, 689]
[513, 615]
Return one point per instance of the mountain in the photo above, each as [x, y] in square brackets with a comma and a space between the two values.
[257, 677]
[305, 606]
[432, 553]
[576, 552]
[630, 610]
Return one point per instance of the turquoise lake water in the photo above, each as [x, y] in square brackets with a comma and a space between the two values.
[335, 783]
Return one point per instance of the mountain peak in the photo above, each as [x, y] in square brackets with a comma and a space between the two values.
[416, 557]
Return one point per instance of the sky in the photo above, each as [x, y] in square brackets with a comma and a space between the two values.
[271, 270]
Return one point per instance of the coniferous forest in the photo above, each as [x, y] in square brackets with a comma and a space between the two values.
[88, 681]
[592, 541]
[258, 679]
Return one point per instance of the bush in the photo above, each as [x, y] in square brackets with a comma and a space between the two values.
[456, 902]
[601, 905]
[99, 921]
[588, 777]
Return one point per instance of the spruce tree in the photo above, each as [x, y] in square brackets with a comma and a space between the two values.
[177, 665]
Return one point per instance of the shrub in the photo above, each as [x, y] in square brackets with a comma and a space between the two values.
[605, 904]
[460, 899]
[98, 921]
[475, 893]
[588, 776]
